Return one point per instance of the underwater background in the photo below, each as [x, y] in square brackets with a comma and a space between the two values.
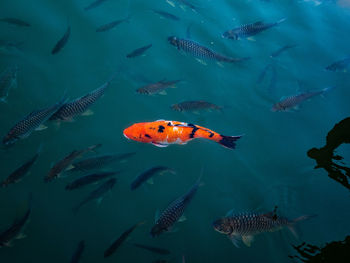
[269, 167]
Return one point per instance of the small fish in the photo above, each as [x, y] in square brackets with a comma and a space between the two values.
[155, 250]
[245, 226]
[249, 30]
[33, 121]
[64, 164]
[148, 174]
[162, 133]
[100, 162]
[8, 80]
[94, 4]
[174, 211]
[188, 4]
[89, 179]
[113, 24]
[199, 51]
[166, 15]
[20, 172]
[340, 65]
[116, 244]
[79, 106]
[281, 50]
[15, 21]
[10, 47]
[139, 51]
[157, 87]
[195, 106]
[97, 194]
[291, 102]
[78, 252]
[14, 231]
[263, 73]
[62, 42]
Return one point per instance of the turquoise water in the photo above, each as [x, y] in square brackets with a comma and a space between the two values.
[269, 166]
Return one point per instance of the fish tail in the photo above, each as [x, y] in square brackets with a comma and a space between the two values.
[228, 141]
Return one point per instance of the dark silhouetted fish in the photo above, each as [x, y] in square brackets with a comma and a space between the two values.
[199, 51]
[33, 121]
[340, 65]
[246, 226]
[97, 194]
[94, 4]
[116, 244]
[99, 162]
[113, 24]
[166, 15]
[15, 21]
[287, 103]
[15, 230]
[188, 31]
[249, 30]
[281, 50]
[20, 172]
[65, 164]
[196, 105]
[62, 42]
[173, 212]
[157, 87]
[89, 179]
[263, 73]
[139, 51]
[148, 174]
[78, 252]
[155, 250]
[79, 106]
[8, 80]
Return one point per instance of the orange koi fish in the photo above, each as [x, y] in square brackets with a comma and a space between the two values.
[161, 133]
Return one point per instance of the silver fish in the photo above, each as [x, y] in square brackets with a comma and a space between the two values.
[166, 15]
[62, 42]
[8, 80]
[340, 65]
[139, 51]
[281, 50]
[94, 4]
[112, 24]
[89, 179]
[195, 106]
[148, 174]
[157, 87]
[15, 21]
[78, 252]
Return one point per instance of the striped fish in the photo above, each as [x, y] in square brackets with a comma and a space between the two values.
[174, 212]
[340, 65]
[33, 121]
[80, 105]
[8, 80]
[291, 102]
[199, 51]
[245, 226]
[195, 106]
[157, 87]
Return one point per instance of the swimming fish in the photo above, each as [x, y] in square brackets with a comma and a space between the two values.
[161, 133]
[94, 4]
[33, 121]
[166, 15]
[117, 243]
[15, 21]
[64, 164]
[174, 211]
[148, 174]
[157, 87]
[264, 72]
[78, 252]
[99, 162]
[281, 50]
[139, 51]
[245, 226]
[14, 231]
[196, 105]
[79, 106]
[199, 51]
[89, 179]
[8, 80]
[62, 42]
[340, 65]
[155, 250]
[249, 30]
[112, 24]
[97, 194]
[287, 103]
[21, 171]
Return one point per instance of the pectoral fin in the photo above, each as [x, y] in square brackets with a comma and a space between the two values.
[163, 92]
[251, 39]
[201, 61]
[247, 240]
[21, 236]
[183, 218]
[160, 145]
[41, 127]
[170, 3]
[150, 181]
[235, 240]
[88, 113]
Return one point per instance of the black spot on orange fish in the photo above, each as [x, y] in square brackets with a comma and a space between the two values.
[148, 136]
[211, 135]
[161, 128]
[193, 131]
[169, 124]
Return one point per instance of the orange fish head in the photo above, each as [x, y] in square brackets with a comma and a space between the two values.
[137, 132]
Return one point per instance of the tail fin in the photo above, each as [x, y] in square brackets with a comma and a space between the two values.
[189, 195]
[229, 141]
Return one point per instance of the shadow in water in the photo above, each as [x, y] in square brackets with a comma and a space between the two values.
[325, 156]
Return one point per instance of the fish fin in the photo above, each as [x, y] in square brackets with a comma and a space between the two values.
[183, 218]
[163, 92]
[160, 120]
[160, 145]
[9, 244]
[293, 231]
[196, 112]
[201, 61]
[173, 87]
[87, 113]
[247, 240]
[229, 141]
[235, 240]
[170, 3]
[21, 236]
[229, 213]
[251, 39]
[220, 64]
[41, 127]
[70, 167]
[150, 181]
[156, 216]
